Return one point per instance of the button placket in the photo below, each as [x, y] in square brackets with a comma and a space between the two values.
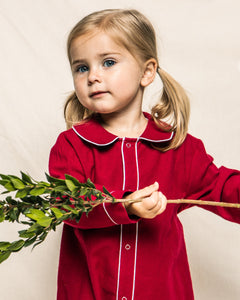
[126, 279]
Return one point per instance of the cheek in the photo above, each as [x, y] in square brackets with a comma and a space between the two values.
[79, 86]
[120, 79]
[129, 81]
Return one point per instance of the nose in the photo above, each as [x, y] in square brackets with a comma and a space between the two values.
[94, 75]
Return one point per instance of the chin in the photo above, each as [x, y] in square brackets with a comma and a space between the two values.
[105, 111]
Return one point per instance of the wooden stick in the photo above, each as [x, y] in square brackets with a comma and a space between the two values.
[203, 202]
[186, 201]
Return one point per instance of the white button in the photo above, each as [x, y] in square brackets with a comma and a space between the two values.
[128, 145]
[124, 298]
[127, 247]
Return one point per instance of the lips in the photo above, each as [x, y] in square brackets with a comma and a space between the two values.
[97, 94]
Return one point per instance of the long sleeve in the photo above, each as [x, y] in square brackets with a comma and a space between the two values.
[207, 182]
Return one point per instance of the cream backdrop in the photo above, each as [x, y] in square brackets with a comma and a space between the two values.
[200, 47]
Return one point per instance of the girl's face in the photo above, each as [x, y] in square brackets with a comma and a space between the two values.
[107, 78]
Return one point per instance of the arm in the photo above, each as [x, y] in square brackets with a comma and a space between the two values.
[207, 182]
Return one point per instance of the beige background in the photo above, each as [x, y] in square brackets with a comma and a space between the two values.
[200, 47]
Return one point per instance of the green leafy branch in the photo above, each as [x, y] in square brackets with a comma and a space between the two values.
[42, 206]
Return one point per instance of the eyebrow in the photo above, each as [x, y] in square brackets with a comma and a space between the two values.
[77, 61]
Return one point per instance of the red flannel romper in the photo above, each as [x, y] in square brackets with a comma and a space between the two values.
[110, 256]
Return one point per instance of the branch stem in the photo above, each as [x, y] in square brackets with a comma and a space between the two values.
[186, 201]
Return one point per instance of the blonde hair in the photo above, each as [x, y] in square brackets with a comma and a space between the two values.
[133, 30]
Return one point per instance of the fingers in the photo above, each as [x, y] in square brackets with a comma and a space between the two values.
[145, 192]
[154, 205]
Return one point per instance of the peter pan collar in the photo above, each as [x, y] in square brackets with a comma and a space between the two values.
[91, 131]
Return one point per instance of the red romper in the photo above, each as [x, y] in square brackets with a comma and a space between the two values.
[110, 256]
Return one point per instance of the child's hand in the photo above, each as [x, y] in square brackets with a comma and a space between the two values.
[153, 203]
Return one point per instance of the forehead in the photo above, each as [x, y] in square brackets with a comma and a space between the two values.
[95, 41]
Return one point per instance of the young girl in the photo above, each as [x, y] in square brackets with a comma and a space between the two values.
[137, 250]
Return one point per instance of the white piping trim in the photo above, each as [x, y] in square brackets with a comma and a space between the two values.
[135, 262]
[116, 138]
[121, 227]
[123, 161]
[119, 262]
[136, 155]
[136, 237]
[157, 141]
[108, 214]
[92, 141]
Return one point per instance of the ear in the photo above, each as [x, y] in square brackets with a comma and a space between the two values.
[150, 68]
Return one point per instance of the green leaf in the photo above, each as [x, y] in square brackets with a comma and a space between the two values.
[54, 180]
[43, 184]
[43, 236]
[44, 221]
[60, 188]
[90, 183]
[45, 205]
[83, 191]
[38, 191]
[22, 193]
[10, 200]
[106, 191]
[2, 216]
[16, 246]
[30, 241]
[3, 182]
[38, 243]
[75, 193]
[57, 212]
[26, 178]
[73, 179]
[4, 246]
[35, 228]
[5, 177]
[35, 214]
[4, 255]
[67, 207]
[9, 186]
[25, 234]
[70, 184]
[17, 183]
[13, 214]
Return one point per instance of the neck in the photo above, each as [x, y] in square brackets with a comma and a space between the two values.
[125, 125]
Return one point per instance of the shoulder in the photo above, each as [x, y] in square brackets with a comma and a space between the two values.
[192, 141]
[68, 142]
[66, 137]
[194, 149]
[74, 133]
[192, 146]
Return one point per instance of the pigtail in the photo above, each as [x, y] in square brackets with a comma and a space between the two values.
[173, 108]
[74, 111]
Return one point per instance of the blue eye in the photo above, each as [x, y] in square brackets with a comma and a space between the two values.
[82, 69]
[109, 63]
